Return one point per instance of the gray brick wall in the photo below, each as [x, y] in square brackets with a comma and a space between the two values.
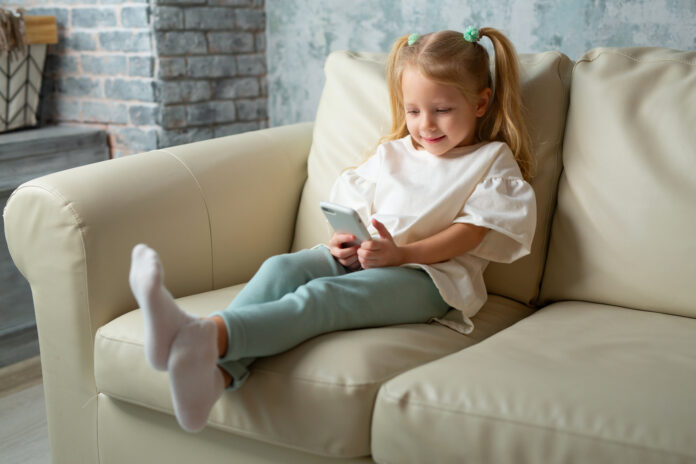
[212, 68]
[155, 73]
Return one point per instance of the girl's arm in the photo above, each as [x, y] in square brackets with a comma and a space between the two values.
[453, 241]
[443, 246]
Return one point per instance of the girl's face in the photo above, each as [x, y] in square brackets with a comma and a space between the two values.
[438, 116]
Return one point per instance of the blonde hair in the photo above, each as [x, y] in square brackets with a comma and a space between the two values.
[447, 58]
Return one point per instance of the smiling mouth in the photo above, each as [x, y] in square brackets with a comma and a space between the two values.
[433, 140]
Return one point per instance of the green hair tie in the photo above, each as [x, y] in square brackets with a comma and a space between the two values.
[471, 34]
[412, 39]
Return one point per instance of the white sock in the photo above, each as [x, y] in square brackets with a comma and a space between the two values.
[194, 378]
[163, 317]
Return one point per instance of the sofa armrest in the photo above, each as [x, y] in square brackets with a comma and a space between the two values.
[214, 211]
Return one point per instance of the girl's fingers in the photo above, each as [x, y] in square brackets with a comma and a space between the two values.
[350, 262]
[337, 240]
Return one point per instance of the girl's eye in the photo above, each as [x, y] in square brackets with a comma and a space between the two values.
[412, 111]
[443, 110]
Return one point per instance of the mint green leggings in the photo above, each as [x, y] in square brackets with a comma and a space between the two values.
[294, 297]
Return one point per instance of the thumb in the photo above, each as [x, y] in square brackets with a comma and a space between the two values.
[383, 232]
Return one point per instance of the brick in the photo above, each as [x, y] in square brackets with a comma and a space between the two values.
[251, 65]
[182, 2]
[173, 117]
[181, 43]
[144, 115]
[230, 42]
[113, 2]
[211, 66]
[125, 41]
[130, 89]
[181, 136]
[136, 16]
[104, 112]
[79, 87]
[93, 17]
[61, 14]
[209, 18]
[61, 64]
[172, 67]
[261, 42]
[184, 91]
[168, 17]
[252, 110]
[135, 140]
[141, 66]
[235, 88]
[250, 20]
[236, 128]
[61, 109]
[79, 41]
[238, 3]
[103, 64]
[210, 113]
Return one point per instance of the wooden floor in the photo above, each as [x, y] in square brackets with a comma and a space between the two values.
[23, 429]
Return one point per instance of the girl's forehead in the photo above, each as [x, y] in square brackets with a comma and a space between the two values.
[415, 86]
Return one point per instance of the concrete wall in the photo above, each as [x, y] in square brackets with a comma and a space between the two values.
[300, 34]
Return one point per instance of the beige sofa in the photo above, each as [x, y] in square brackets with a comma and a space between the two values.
[584, 352]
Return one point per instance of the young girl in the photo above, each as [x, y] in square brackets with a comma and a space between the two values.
[445, 193]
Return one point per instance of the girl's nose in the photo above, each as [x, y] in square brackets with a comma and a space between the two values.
[427, 122]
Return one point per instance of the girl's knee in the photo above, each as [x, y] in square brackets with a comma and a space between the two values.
[277, 263]
[289, 262]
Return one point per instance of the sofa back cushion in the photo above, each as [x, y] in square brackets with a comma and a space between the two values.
[354, 113]
[623, 230]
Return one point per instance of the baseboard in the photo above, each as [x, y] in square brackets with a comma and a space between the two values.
[18, 345]
[20, 375]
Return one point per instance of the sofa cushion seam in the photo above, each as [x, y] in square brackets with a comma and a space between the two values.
[395, 399]
[207, 213]
[633, 58]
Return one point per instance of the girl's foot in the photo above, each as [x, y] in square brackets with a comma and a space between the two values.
[163, 318]
[195, 380]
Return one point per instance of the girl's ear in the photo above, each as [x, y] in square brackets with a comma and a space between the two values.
[484, 97]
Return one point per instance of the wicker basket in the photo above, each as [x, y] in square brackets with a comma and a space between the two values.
[21, 75]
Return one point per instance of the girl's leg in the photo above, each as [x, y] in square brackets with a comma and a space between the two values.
[189, 347]
[368, 298]
[184, 345]
[282, 274]
[277, 276]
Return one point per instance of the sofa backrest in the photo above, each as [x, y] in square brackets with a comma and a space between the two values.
[354, 113]
[623, 232]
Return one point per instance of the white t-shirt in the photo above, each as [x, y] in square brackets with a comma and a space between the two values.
[416, 194]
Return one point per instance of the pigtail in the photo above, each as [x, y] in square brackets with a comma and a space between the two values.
[504, 120]
[398, 129]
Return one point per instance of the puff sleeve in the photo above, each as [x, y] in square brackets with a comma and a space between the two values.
[355, 188]
[507, 206]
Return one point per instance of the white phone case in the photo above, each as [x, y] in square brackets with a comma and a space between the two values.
[346, 221]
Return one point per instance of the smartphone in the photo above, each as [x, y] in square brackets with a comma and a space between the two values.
[345, 220]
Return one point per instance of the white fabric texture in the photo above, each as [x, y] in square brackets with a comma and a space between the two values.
[416, 194]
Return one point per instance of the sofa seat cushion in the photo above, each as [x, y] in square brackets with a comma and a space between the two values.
[574, 382]
[317, 397]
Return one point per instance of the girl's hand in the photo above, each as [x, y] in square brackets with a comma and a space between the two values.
[380, 252]
[346, 256]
